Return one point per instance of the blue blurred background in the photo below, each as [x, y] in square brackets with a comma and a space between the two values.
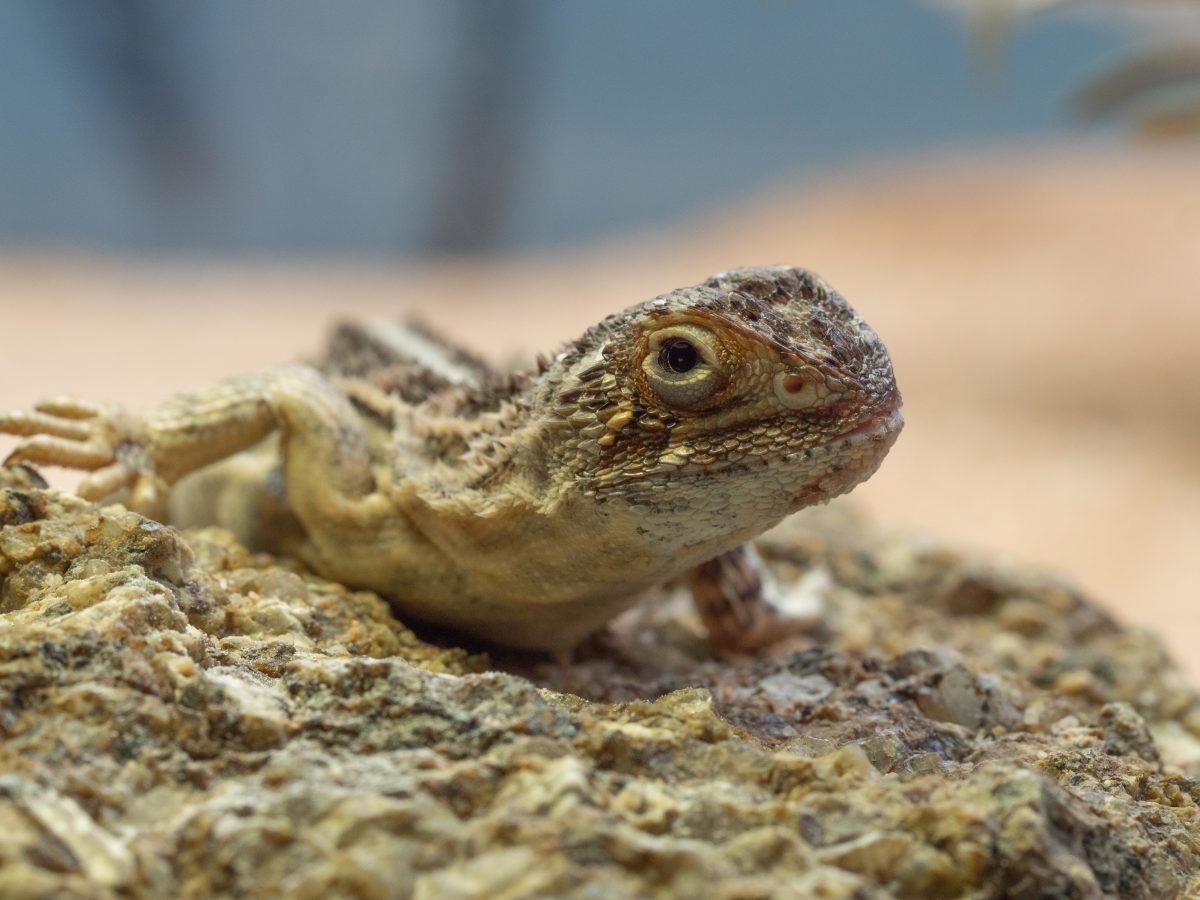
[378, 129]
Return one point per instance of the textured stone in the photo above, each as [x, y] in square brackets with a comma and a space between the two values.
[181, 717]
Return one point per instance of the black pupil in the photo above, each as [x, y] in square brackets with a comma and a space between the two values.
[678, 356]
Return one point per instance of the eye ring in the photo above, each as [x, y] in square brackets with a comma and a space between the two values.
[678, 356]
[684, 366]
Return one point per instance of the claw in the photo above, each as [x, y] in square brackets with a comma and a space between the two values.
[55, 451]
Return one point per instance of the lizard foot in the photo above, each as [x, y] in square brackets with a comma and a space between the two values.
[105, 442]
[734, 604]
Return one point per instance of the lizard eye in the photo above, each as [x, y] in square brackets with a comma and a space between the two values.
[683, 365]
[678, 356]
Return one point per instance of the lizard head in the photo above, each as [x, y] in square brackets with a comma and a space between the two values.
[718, 409]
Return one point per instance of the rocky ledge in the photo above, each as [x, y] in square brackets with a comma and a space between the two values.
[182, 718]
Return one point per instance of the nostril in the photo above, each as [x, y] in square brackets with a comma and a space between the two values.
[793, 384]
[796, 390]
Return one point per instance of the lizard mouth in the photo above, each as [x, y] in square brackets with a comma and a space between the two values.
[886, 421]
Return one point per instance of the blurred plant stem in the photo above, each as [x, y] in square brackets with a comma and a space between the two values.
[1157, 91]
[485, 137]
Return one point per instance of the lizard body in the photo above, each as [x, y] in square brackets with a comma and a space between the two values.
[528, 509]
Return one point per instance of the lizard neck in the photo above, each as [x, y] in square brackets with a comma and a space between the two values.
[478, 447]
[516, 442]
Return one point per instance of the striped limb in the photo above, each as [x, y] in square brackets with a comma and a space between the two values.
[736, 607]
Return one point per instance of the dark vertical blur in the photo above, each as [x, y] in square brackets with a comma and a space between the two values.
[488, 108]
[140, 74]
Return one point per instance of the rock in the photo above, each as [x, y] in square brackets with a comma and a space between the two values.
[181, 717]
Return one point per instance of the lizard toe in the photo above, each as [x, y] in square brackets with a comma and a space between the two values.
[69, 408]
[48, 450]
[32, 423]
[149, 496]
[106, 481]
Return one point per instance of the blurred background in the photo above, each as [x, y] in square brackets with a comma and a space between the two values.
[1009, 192]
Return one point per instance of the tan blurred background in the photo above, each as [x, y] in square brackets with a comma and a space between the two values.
[1038, 290]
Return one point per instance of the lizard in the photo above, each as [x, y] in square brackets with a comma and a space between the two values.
[527, 509]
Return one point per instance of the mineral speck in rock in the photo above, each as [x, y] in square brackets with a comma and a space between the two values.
[181, 717]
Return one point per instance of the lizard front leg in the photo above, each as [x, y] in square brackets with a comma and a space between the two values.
[324, 446]
[734, 603]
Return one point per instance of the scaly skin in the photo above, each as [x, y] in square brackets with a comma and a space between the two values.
[532, 509]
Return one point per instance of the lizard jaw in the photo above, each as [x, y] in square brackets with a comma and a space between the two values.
[882, 422]
[854, 467]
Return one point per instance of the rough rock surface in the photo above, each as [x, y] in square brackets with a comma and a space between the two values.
[181, 718]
